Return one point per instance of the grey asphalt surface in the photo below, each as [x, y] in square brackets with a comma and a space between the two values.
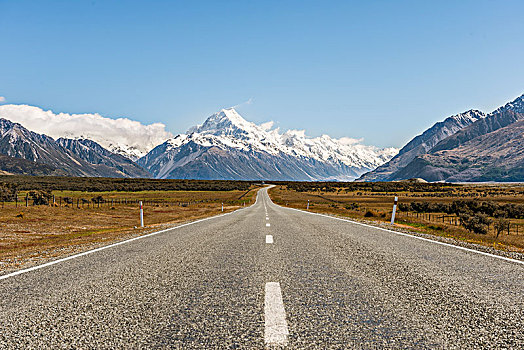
[201, 286]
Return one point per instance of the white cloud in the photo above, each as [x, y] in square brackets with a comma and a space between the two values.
[2, 99]
[128, 135]
[248, 102]
[349, 141]
[267, 125]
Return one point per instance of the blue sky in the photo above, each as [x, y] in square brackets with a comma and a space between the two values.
[379, 70]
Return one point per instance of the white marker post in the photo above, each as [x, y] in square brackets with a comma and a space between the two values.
[222, 206]
[141, 215]
[307, 205]
[394, 210]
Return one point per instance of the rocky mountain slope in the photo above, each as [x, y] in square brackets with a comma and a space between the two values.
[11, 166]
[94, 154]
[226, 146]
[63, 157]
[494, 156]
[423, 143]
[490, 149]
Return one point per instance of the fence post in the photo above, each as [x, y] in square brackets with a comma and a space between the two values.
[141, 215]
[26, 200]
[394, 210]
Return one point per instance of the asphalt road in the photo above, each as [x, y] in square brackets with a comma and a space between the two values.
[223, 283]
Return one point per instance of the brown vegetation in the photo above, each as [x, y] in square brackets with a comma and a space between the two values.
[77, 220]
[490, 215]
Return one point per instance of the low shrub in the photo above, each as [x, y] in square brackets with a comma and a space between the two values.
[369, 214]
[475, 223]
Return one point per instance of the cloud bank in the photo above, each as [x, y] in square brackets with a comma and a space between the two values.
[121, 135]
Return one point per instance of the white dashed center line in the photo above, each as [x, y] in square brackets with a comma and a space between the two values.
[267, 218]
[268, 224]
[275, 323]
[269, 239]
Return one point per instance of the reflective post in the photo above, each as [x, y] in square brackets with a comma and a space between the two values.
[394, 210]
[141, 215]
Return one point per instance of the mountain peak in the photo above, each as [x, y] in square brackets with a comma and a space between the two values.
[469, 116]
[251, 151]
[228, 114]
[517, 106]
[226, 121]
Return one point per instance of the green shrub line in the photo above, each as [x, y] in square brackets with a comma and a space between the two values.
[9, 185]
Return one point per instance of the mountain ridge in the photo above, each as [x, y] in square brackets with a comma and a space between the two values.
[63, 156]
[457, 156]
[274, 156]
[423, 143]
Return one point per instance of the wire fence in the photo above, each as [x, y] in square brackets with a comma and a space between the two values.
[513, 228]
[98, 202]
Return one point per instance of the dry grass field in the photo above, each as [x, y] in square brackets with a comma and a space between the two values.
[377, 206]
[36, 233]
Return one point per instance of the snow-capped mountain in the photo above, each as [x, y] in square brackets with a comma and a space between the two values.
[95, 154]
[423, 143]
[517, 106]
[226, 146]
[121, 148]
[479, 147]
[59, 157]
[123, 136]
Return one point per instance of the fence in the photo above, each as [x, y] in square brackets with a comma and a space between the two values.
[80, 203]
[514, 228]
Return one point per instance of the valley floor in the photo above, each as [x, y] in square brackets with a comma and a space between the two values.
[375, 209]
[36, 234]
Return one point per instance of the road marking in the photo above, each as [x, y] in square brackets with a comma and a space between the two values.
[275, 323]
[37, 267]
[269, 239]
[268, 224]
[413, 236]
[267, 218]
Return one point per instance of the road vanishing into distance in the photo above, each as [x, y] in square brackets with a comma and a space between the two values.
[268, 276]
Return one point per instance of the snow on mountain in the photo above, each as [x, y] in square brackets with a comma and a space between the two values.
[516, 106]
[123, 136]
[423, 143]
[62, 156]
[228, 128]
[289, 155]
[471, 146]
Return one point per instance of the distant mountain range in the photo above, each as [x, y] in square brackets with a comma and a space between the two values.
[59, 157]
[470, 146]
[226, 146]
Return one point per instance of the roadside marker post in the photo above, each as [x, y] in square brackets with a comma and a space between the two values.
[222, 206]
[141, 215]
[394, 210]
[307, 205]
